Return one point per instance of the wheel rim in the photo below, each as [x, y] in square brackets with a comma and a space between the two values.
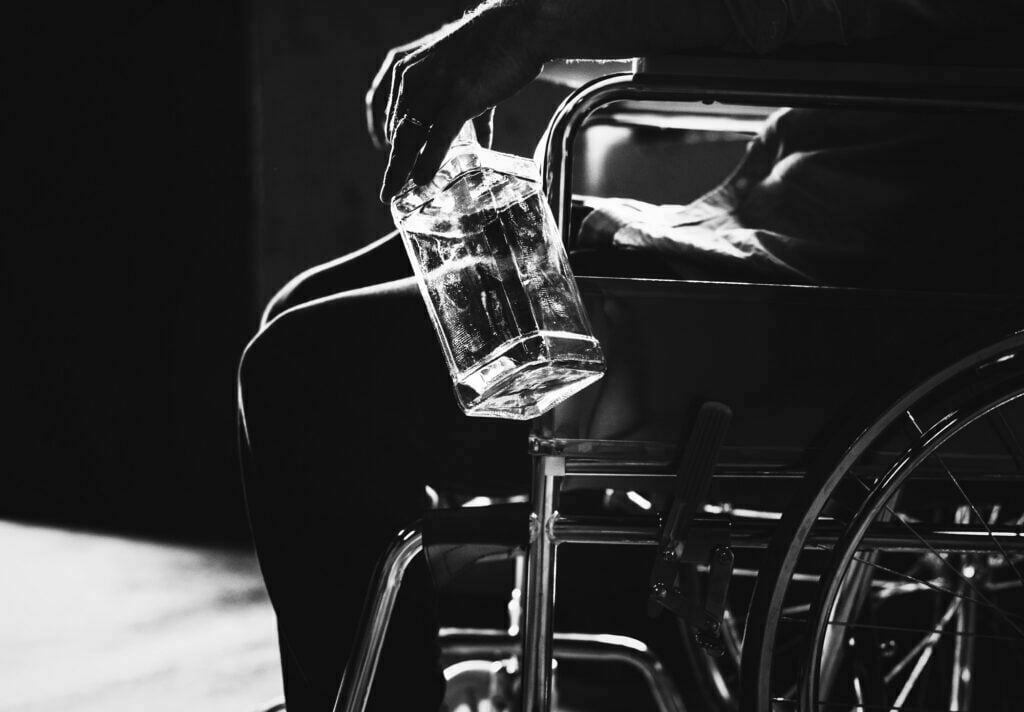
[786, 553]
[812, 694]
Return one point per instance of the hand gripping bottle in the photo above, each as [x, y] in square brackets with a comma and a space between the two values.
[496, 281]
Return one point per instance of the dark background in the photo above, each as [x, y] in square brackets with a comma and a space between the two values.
[131, 268]
[169, 166]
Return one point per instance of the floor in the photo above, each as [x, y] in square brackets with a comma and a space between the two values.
[92, 622]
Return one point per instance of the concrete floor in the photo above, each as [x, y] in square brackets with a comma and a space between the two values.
[92, 623]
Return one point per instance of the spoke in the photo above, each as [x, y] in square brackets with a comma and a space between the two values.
[927, 641]
[963, 658]
[889, 589]
[940, 589]
[858, 691]
[960, 489]
[908, 686]
[986, 602]
[956, 572]
[925, 631]
[1005, 431]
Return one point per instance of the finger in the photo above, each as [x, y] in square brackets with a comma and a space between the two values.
[439, 140]
[373, 126]
[484, 125]
[408, 141]
[391, 108]
[375, 101]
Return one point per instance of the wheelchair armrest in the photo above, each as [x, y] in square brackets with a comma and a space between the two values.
[759, 81]
[836, 75]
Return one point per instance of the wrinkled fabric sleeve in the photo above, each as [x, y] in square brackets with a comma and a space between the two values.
[766, 25]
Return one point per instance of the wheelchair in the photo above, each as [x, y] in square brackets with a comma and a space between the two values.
[839, 472]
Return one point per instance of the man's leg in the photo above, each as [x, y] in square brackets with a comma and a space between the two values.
[385, 260]
[347, 412]
[380, 261]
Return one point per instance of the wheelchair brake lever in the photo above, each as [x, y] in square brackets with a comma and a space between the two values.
[707, 543]
[688, 539]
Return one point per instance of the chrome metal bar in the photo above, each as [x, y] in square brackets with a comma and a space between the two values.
[569, 117]
[515, 602]
[629, 531]
[756, 533]
[354, 691]
[540, 586]
[561, 133]
[468, 642]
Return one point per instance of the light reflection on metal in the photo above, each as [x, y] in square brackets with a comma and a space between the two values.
[639, 500]
[540, 586]
[740, 512]
[353, 693]
[468, 642]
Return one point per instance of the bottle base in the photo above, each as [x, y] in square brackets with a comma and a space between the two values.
[530, 376]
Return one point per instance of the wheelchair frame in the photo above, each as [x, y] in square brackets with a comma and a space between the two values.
[678, 79]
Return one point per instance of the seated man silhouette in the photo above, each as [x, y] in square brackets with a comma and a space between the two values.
[346, 406]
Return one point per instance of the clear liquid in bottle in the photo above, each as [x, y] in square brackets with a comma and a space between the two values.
[497, 285]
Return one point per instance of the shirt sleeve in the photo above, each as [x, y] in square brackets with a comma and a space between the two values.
[766, 25]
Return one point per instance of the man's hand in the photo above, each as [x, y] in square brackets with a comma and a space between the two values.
[380, 91]
[448, 78]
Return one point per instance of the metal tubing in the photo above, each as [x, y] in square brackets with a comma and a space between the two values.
[635, 531]
[561, 133]
[756, 533]
[540, 586]
[569, 117]
[469, 643]
[548, 529]
[354, 691]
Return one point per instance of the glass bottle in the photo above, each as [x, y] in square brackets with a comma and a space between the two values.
[496, 281]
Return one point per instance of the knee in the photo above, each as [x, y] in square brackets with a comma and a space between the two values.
[255, 371]
[277, 352]
[292, 294]
[344, 342]
[379, 261]
[314, 283]
[299, 349]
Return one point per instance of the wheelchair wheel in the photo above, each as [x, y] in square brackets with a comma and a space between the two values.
[896, 582]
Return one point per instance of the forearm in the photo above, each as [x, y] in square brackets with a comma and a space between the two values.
[607, 29]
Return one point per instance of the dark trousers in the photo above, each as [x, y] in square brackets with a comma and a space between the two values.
[347, 412]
